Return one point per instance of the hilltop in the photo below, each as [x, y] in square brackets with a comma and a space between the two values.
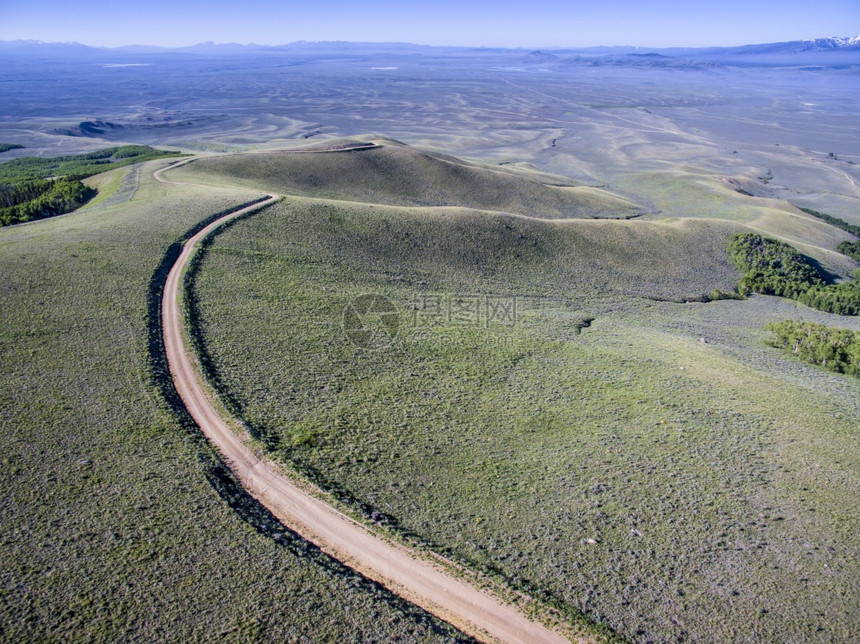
[391, 173]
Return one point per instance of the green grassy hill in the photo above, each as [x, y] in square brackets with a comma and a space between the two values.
[590, 449]
[441, 247]
[547, 410]
[697, 196]
[118, 522]
[395, 174]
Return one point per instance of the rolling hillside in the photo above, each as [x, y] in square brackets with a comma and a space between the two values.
[395, 174]
[119, 522]
[616, 446]
[651, 465]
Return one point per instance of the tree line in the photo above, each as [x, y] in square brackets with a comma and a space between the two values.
[38, 187]
[849, 248]
[831, 348]
[772, 267]
[37, 200]
[834, 221]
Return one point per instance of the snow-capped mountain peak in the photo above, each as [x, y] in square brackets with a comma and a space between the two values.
[831, 43]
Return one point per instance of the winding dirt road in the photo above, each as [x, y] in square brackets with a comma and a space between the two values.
[403, 571]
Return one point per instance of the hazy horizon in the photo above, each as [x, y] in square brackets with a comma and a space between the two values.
[552, 24]
[227, 43]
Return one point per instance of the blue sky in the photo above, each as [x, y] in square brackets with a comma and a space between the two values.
[501, 23]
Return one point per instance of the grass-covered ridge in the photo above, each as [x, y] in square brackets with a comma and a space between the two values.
[626, 470]
[834, 221]
[849, 248]
[119, 523]
[772, 267]
[395, 174]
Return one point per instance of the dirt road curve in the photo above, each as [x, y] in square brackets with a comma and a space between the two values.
[401, 570]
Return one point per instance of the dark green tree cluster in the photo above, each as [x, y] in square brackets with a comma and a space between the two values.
[773, 267]
[77, 166]
[40, 199]
[850, 248]
[37, 187]
[17, 193]
[842, 299]
[5, 147]
[834, 349]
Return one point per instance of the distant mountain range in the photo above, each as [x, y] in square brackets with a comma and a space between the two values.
[834, 51]
[795, 46]
[820, 44]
